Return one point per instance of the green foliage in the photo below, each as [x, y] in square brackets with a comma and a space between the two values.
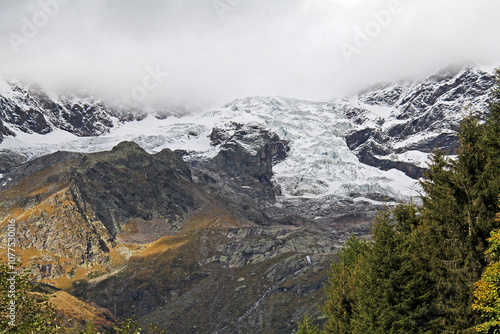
[487, 293]
[458, 211]
[342, 289]
[128, 326]
[307, 327]
[381, 287]
[395, 286]
[90, 328]
[33, 312]
[418, 274]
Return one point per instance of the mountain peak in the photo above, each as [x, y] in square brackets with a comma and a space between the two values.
[128, 146]
[356, 144]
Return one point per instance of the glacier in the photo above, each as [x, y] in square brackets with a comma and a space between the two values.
[394, 122]
[319, 162]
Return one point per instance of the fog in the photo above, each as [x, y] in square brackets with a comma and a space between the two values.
[205, 53]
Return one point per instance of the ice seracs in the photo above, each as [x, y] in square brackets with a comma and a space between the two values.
[376, 142]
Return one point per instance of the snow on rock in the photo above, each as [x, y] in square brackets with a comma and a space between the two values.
[374, 143]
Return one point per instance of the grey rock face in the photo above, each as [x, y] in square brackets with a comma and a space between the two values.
[249, 153]
[128, 183]
[431, 108]
[78, 203]
[263, 284]
[9, 160]
[241, 172]
[263, 244]
[31, 110]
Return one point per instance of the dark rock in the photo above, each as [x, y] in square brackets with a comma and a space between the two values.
[446, 142]
[34, 166]
[30, 109]
[367, 156]
[9, 160]
[128, 183]
[357, 138]
[93, 196]
[249, 155]
[423, 107]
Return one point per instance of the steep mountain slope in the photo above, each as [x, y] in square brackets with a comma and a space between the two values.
[373, 145]
[27, 108]
[31, 110]
[134, 233]
[412, 119]
[229, 217]
[73, 205]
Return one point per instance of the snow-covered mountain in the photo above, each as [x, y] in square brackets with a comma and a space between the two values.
[401, 121]
[31, 110]
[370, 146]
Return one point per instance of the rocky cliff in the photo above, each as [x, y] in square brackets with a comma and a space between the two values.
[228, 218]
[371, 145]
[75, 205]
[30, 109]
[146, 234]
[418, 116]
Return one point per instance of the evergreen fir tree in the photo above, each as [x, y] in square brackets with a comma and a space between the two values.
[307, 327]
[418, 274]
[342, 289]
[487, 293]
[458, 209]
[395, 294]
[382, 287]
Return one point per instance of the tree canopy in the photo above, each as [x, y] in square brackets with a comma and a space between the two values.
[419, 273]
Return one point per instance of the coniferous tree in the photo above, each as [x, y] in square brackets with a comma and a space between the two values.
[418, 274]
[487, 293]
[307, 327]
[381, 287]
[450, 213]
[458, 209]
[342, 289]
[380, 269]
[395, 290]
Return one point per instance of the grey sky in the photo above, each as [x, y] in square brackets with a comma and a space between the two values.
[218, 50]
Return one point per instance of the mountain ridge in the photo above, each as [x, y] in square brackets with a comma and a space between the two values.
[390, 127]
[133, 232]
[251, 200]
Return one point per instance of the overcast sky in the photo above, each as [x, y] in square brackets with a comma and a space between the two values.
[209, 52]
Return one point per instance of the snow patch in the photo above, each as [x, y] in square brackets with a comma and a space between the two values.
[319, 162]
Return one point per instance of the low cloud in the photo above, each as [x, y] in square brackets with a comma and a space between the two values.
[212, 51]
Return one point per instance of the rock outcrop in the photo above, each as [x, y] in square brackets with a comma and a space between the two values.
[423, 116]
[74, 205]
[144, 234]
[30, 109]
[10, 160]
